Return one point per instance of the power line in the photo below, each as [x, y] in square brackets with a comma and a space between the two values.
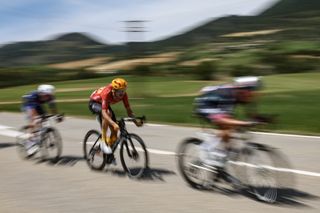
[135, 28]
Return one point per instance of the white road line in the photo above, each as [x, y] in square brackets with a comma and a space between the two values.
[5, 131]
[301, 172]
[9, 133]
[4, 127]
[159, 152]
[156, 125]
[154, 151]
[287, 135]
[150, 124]
[260, 133]
[276, 168]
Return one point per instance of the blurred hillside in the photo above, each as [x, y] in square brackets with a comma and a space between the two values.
[282, 39]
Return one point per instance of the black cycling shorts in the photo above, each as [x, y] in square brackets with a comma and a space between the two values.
[96, 108]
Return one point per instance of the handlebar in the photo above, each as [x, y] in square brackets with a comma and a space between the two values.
[59, 117]
[141, 119]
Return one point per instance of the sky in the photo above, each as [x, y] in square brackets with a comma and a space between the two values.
[30, 20]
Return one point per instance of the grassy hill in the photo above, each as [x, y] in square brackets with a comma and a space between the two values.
[294, 97]
[300, 18]
[67, 47]
[292, 7]
[284, 38]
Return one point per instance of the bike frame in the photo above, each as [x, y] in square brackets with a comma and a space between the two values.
[124, 136]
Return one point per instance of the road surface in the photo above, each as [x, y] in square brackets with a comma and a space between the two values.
[70, 186]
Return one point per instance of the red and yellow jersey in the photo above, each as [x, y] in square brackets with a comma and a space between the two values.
[104, 96]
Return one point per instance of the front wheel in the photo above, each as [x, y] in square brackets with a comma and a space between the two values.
[93, 155]
[134, 156]
[51, 144]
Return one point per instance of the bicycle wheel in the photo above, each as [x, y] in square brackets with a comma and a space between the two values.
[21, 141]
[234, 171]
[51, 144]
[92, 152]
[190, 164]
[261, 176]
[134, 156]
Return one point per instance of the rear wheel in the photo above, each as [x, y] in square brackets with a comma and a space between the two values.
[21, 142]
[51, 145]
[94, 156]
[261, 177]
[134, 156]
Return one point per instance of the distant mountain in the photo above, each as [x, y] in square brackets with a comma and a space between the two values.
[66, 47]
[295, 19]
[285, 14]
[292, 7]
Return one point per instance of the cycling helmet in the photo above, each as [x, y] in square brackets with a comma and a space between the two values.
[46, 89]
[248, 82]
[119, 83]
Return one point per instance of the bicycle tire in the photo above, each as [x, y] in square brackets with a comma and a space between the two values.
[264, 186]
[129, 148]
[20, 143]
[187, 175]
[89, 157]
[51, 140]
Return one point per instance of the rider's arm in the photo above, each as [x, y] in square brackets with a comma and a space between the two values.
[129, 110]
[106, 116]
[34, 117]
[53, 106]
[251, 110]
[232, 122]
[127, 105]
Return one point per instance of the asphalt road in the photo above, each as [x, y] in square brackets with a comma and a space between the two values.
[70, 186]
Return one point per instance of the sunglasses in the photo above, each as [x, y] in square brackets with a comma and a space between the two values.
[119, 92]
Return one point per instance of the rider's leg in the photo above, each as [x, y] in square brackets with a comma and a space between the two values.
[217, 150]
[113, 133]
[32, 141]
[96, 108]
[113, 136]
[225, 135]
[104, 140]
[107, 143]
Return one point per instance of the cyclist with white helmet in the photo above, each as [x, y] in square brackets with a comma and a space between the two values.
[99, 104]
[216, 104]
[32, 105]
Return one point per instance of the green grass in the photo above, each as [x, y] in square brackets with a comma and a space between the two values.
[294, 97]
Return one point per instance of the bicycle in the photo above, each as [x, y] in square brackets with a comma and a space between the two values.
[247, 167]
[130, 146]
[46, 139]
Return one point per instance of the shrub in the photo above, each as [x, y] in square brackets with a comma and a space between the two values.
[243, 70]
[141, 70]
[206, 70]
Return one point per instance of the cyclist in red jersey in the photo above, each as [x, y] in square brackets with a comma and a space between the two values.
[99, 104]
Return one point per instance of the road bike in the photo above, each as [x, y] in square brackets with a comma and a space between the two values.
[248, 166]
[133, 152]
[43, 138]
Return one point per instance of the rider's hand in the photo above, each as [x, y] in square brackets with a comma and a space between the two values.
[138, 123]
[253, 123]
[59, 118]
[115, 126]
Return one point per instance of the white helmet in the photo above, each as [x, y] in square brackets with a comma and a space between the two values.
[46, 88]
[248, 82]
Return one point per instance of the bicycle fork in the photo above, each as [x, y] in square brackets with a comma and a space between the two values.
[131, 151]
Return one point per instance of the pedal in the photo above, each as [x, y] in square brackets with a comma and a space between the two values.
[110, 158]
